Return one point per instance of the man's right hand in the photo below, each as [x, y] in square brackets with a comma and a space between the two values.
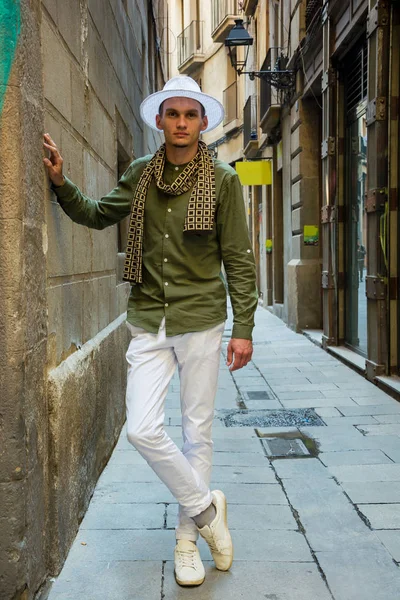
[54, 162]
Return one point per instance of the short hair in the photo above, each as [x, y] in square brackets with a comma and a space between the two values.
[203, 110]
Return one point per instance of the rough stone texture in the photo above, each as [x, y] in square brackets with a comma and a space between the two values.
[85, 399]
[72, 73]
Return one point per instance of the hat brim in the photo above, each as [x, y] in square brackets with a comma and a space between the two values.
[150, 106]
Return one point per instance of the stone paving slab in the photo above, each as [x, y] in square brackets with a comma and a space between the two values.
[382, 516]
[387, 429]
[388, 419]
[240, 459]
[124, 516]
[391, 540]
[362, 473]
[365, 493]
[366, 574]
[328, 518]
[132, 492]
[251, 517]
[247, 581]
[237, 445]
[112, 580]
[355, 420]
[274, 546]
[230, 474]
[354, 457]
[300, 468]
[317, 402]
[257, 493]
[372, 409]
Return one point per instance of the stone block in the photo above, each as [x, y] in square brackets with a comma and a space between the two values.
[90, 175]
[72, 305]
[301, 469]
[104, 302]
[90, 314]
[81, 399]
[239, 459]
[132, 492]
[55, 344]
[81, 249]
[56, 69]
[60, 242]
[70, 25]
[105, 249]
[72, 153]
[79, 115]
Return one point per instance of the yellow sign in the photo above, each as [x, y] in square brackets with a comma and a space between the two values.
[254, 172]
[268, 246]
[311, 235]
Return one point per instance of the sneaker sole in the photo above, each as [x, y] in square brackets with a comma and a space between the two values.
[191, 584]
[222, 497]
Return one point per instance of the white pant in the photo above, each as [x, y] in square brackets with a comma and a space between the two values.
[152, 359]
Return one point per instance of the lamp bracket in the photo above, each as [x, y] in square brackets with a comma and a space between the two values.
[281, 80]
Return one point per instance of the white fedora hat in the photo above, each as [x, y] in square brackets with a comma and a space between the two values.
[186, 87]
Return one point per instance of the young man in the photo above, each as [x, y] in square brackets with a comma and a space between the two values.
[187, 217]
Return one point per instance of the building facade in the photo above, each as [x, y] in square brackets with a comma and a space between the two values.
[335, 141]
[325, 232]
[77, 69]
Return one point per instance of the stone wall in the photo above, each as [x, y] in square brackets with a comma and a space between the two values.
[79, 70]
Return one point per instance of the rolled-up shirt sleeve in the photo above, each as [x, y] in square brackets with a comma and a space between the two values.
[237, 256]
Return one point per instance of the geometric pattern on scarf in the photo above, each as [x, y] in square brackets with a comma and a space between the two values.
[198, 175]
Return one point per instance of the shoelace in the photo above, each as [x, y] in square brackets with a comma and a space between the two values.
[187, 558]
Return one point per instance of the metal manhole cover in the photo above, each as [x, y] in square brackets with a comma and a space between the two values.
[285, 447]
[297, 417]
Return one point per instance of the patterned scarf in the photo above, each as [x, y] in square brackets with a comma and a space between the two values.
[199, 174]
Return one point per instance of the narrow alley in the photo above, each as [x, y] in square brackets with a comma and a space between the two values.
[321, 526]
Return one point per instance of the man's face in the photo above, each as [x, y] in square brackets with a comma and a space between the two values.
[181, 122]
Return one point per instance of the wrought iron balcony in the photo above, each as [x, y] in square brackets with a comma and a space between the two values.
[223, 15]
[230, 104]
[250, 134]
[190, 47]
[271, 98]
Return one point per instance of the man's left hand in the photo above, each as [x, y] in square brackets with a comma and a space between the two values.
[239, 352]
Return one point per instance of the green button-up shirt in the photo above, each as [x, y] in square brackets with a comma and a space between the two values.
[182, 277]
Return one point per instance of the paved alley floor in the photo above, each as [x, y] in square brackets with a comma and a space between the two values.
[320, 526]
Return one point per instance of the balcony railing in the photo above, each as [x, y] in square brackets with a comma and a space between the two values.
[313, 17]
[190, 44]
[250, 121]
[230, 103]
[223, 15]
[269, 95]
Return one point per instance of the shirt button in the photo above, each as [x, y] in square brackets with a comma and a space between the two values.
[166, 304]
[166, 235]
[176, 168]
[166, 283]
[248, 251]
[169, 210]
[165, 259]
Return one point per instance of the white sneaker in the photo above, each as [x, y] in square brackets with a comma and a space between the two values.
[217, 533]
[189, 569]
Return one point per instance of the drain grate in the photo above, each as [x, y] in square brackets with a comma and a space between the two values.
[285, 447]
[297, 417]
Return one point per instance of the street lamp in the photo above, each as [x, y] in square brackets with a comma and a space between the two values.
[281, 79]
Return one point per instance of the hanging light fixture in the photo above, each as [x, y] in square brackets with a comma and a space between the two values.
[279, 78]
